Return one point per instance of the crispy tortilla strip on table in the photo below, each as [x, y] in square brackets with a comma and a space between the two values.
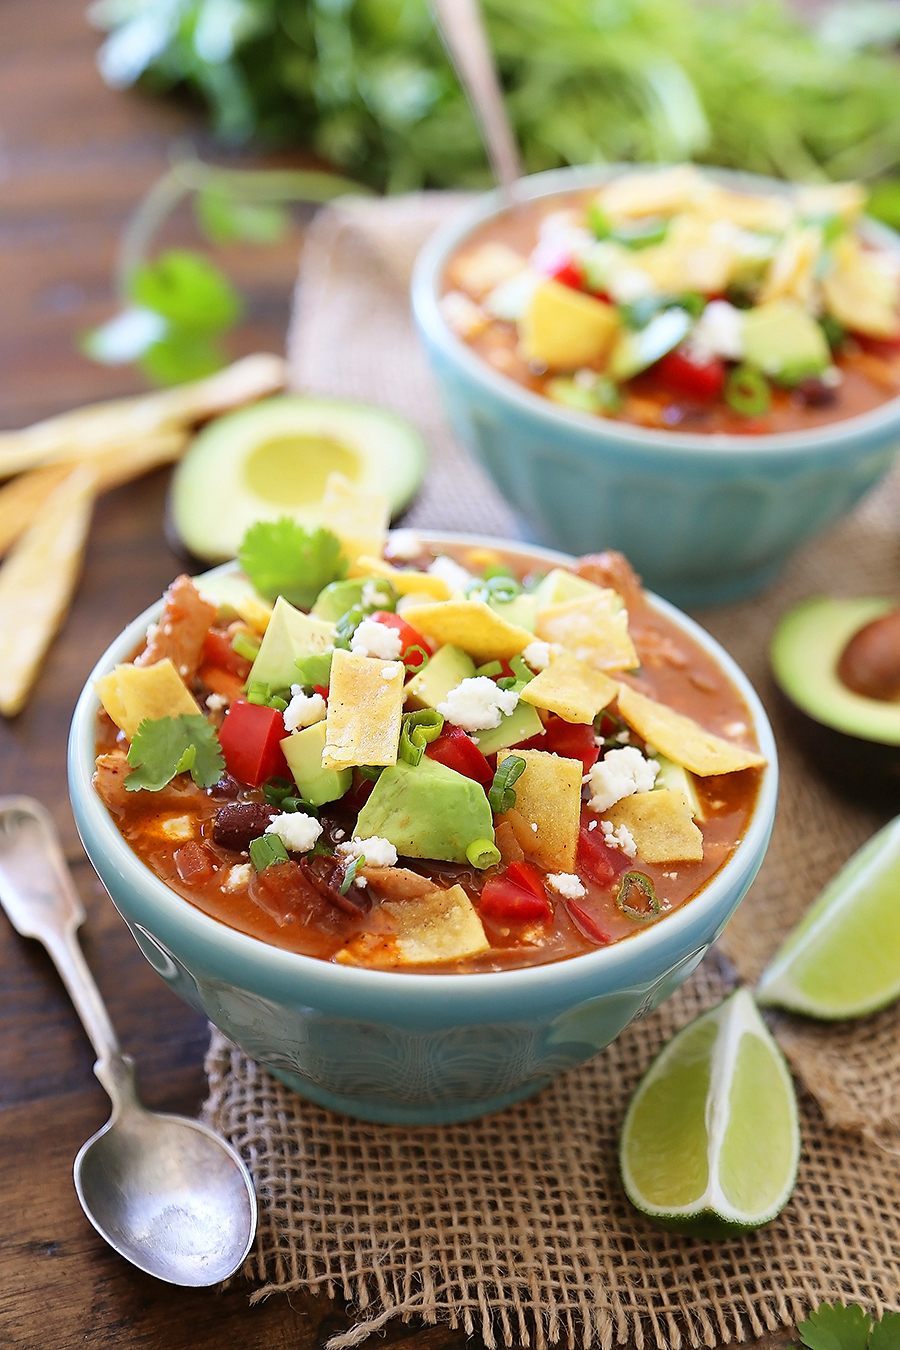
[130, 693]
[404, 582]
[682, 739]
[571, 689]
[548, 796]
[440, 926]
[593, 627]
[359, 519]
[365, 704]
[661, 825]
[471, 625]
[110, 426]
[36, 584]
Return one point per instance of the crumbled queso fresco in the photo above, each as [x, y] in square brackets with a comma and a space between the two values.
[620, 838]
[376, 639]
[304, 710]
[449, 570]
[377, 852]
[567, 885]
[620, 774]
[477, 704]
[537, 654]
[298, 832]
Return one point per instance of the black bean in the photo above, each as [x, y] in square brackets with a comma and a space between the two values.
[814, 393]
[226, 789]
[238, 823]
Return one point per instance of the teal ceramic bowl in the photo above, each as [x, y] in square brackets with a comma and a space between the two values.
[408, 1049]
[705, 519]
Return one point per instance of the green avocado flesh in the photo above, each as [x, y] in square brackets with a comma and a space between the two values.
[273, 459]
[426, 811]
[805, 651]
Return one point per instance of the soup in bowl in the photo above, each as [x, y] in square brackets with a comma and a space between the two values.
[698, 368]
[435, 838]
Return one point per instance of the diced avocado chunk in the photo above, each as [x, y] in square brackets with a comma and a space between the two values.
[783, 341]
[314, 668]
[339, 596]
[303, 752]
[290, 634]
[426, 811]
[446, 669]
[521, 611]
[559, 585]
[674, 776]
[519, 725]
[635, 351]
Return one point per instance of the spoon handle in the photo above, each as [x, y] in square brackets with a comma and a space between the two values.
[461, 28]
[39, 896]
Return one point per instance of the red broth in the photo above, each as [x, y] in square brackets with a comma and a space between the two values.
[291, 907]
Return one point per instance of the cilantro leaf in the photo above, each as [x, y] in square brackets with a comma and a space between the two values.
[886, 1333]
[282, 558]
[832, 1326]
[188, 290]
[167, 746]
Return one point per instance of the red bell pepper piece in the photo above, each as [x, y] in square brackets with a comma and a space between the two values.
[587, 924]
[454, 749]
[527, 876]
[572, 740]
[409, 638]
[595, 858]
[250, 738]
[506, 902]
[218, 651]
[700, 381]
[569, 273]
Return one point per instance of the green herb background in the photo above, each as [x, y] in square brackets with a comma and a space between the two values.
[365, 83]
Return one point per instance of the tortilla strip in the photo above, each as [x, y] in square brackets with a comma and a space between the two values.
[682, 739]
[36, 584]
[404, 582]
[548, 798]
[359, 519]
[661, 825]
[470, 625]
[570, 689]
[108, 426]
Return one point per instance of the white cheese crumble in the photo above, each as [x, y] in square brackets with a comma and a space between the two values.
[375, 596]
[566, 884]
[404, 544]
[462, 315]
[718, 332]
[237, 876]
[177, 828]
[449, 570]
[619, 774]
[477, 704]
[376, 639]
[390, 671]
[537, 654]
[216, 702]
[377, 852]
[620, 838]
[296, 831]
[304, 710]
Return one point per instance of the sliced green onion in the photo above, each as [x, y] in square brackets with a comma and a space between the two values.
[490, 668]
[508, 682]
[371, 771]
[501, 794]
[258, 692]
[483, 853]
[521, 669]
[497, 570]
[246, 645]
[641, 234]
[350, 874]
[417, 729]
[598, 221]
[276, 701]
[266, 850]
[835, 333]
[637, 897]
[276, 789]
[747, 391]
[347, 625]
[416, 658]
[314, 670]
[791, 375]
[498, 588]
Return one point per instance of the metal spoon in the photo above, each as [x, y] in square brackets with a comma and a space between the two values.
[461, 28]
[165, 1192]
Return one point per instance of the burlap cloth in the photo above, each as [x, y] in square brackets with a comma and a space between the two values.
[515, 1227]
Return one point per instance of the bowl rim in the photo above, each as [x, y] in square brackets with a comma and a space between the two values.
[247, 951]
[434, 256]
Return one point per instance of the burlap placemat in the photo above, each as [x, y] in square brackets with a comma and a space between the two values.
[515, 1226]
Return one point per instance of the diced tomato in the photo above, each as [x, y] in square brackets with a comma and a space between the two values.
[538, 742]
[506, 902]
[569, 273]
[454, 749]
[702, 381]
[572, 740]
[218, 651]
[595, 858]
[409, 638]
[884, 347]
[250, 738]
[587, 923]
[193, 864]
[321, 689]
[527, 876]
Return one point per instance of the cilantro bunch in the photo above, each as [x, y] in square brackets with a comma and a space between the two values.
[282, 558]
[166, 746]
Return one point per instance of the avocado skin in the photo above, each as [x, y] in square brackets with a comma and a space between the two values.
[426, 811]
[852, 756]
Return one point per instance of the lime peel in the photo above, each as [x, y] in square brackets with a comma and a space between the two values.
[843, 959]
[711, 1141]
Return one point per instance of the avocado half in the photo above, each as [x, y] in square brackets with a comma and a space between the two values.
[855, 739]
[272, 459]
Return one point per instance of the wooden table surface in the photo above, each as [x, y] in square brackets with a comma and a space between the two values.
[74, 159]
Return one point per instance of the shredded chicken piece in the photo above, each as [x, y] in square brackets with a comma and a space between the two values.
[505, 839]
[397, 883]
[613, 570]
[109, 783]
[185, 620]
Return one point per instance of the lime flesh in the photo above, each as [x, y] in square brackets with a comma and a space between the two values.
[711, 1140]
[843, 958]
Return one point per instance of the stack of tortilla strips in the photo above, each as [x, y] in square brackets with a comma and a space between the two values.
[54, 471]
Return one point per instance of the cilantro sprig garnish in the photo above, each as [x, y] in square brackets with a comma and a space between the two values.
[282, 558]
[166, 746]
[834, 1326]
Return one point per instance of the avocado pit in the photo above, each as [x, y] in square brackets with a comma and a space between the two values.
[870, 662]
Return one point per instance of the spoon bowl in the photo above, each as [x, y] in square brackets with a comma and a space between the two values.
[165, 1192]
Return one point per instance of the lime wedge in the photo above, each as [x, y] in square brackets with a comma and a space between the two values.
[711, 1139]
[843, 958]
